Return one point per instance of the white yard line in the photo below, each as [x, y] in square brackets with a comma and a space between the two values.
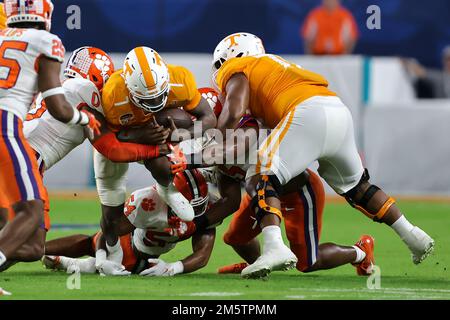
[408, 291]
[212, 294]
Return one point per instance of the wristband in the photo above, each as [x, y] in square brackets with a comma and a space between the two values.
[52, 92]
[178, 267]
[114, 248]
[76, 119]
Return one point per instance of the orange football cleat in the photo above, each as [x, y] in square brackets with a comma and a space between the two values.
[233, 268]
[365, 267]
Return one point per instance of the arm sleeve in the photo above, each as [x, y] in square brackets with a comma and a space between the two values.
[52, 47]
[116, 151]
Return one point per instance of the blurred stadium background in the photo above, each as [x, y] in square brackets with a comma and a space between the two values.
[403, 140]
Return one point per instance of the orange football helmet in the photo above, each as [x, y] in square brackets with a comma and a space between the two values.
[29, 11]
[90, 63]
[192, 185]
[212, 97]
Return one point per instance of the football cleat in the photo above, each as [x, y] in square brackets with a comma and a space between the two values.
[365, 267]
[233, 268]
[52, 262]
[420, 244]
[275, 259]
[4, 292]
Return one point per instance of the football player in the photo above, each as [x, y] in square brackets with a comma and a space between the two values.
[31, 57]
[132, 95]
[309, 123]
[143, 227]
[302, 200]
[86, 72]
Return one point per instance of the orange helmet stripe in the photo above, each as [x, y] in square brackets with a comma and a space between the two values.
[145, 67]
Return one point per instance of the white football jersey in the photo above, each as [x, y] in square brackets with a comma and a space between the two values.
[20, 50]
[52, 139]
[149, 214]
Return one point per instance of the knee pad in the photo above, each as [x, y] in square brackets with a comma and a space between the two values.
[259, 201]
[362, 203]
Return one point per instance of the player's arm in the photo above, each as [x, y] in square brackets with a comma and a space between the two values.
[229, 202]
[203, 112]
[202, 246]
[53, 94]
[107, 143]
[236, 102]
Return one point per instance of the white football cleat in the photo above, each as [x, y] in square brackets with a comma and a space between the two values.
[5, 293]
[420, 244]
[280, 258]
[176, 201]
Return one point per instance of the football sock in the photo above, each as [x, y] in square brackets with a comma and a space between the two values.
[272, 237]
[403, 228]
[2, 258]
[360, 255]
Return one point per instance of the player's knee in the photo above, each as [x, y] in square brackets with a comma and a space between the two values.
[160, 170]
[369, 199]
[266, 188]
[32, 210]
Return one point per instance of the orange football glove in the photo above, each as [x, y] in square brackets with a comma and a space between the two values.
[180, 229]
[178, 159]
[93, 124]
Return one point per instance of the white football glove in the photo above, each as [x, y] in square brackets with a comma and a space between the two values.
[107, 267]
[110, 268]
[163, 269]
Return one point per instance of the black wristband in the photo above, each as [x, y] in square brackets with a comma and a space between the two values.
[201, 223]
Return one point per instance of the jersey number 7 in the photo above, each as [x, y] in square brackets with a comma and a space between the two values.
[12, 64]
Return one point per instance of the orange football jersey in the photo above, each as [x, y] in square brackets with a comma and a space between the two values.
[119, 111]
[276, 85]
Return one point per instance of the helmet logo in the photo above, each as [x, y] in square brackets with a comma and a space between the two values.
[232, 39]
[127, 69]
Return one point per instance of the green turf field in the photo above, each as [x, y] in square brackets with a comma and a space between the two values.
[400, 279]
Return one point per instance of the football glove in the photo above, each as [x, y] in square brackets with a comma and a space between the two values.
[160, 268]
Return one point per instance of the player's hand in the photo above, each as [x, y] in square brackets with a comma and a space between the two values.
[91, 123]
[178, 159]
[160, 268]
[180, 229]
[110, 268]
[156, 134]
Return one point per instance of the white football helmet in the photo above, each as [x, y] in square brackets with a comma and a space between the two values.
[147, 79]
[239, 44]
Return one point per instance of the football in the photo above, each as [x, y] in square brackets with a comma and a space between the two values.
[181, 118]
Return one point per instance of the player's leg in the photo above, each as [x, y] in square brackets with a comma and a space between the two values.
[64, 253]
[3, 217]
[73, 246]
[303, 213]
[21, 185]
[161, 171]
[341, 167]
[290, 148]
[110, 180]
[241, 235]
